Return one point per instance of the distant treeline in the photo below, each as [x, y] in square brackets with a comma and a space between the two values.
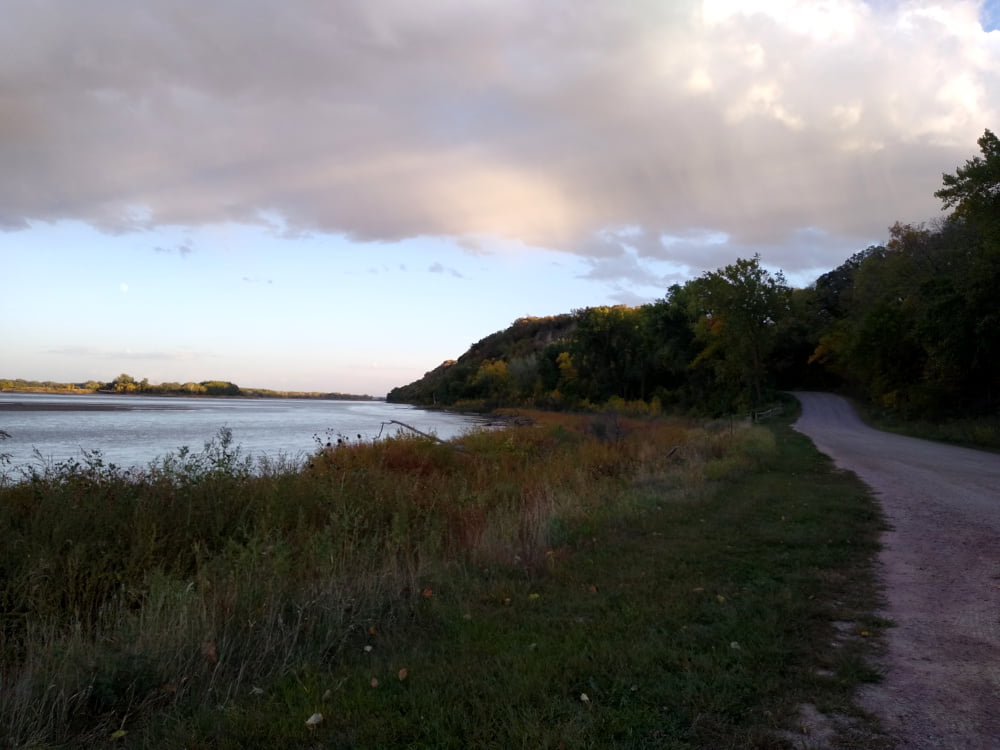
[913, 326]
[125, 383]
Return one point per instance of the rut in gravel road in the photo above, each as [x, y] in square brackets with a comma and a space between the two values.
[940, 566]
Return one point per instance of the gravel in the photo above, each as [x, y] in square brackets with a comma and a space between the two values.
[940, 566]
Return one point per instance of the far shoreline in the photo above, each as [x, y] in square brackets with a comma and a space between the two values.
[251, 395]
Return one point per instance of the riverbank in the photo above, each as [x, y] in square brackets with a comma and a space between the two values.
[49, 406]
[663, 583]
[125, 385]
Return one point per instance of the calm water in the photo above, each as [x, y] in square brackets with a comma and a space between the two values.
[138, 429]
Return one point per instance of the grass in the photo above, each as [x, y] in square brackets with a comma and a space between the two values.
[982, 433]
[979, 432]
[584, 582]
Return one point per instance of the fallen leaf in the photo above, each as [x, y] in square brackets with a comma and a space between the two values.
[257, 691]
[327, 695]
[374, 682]
[534, 596]
[314, 720]
[402, 674]
[585, 698]
[118, 734]
[371, 630]
[169, 689]
[593, 589]
[428, 593]
[735, 645]
[721, 598]
[368, 649]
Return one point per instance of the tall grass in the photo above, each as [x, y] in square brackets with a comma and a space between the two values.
[127, 596]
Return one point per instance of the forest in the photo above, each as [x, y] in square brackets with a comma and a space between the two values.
[911, 326]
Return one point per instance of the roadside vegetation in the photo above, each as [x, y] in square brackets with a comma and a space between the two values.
[981, 432]
[582, 581]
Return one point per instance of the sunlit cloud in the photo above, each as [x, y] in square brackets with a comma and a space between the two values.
[497, 124]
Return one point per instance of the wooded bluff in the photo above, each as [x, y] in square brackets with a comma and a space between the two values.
[912, 325]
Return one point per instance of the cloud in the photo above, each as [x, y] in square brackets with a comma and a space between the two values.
[90, 352]
[438, 268]
[544, 124]
[183, 249]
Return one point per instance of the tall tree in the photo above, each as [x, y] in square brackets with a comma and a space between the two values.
[739, 307]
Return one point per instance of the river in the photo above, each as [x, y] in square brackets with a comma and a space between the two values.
[135, 430]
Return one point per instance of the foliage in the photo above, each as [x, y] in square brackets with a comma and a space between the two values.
[914, 326]
[418, 593]
[738, 308]
[974, 190]
[597, 354]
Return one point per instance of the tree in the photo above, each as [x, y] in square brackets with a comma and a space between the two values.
[606, 352]
[974, 190]
[493, 380]
[124, 383]
[738, 308]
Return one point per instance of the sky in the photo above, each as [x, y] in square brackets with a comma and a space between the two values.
[321, 196]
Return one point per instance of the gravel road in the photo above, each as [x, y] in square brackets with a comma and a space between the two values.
[941, 570]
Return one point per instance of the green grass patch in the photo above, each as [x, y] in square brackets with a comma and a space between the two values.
[982, 433]
[652, 585]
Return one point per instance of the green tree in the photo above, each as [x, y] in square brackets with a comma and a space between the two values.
[493, 380]
[124, 383]
[607, 352]
[220, 388]
[738, 309]
[974, 190]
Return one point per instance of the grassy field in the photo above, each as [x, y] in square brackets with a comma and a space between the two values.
[583, 582]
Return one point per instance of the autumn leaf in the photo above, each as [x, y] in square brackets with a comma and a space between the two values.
[403, 674]
[374, 682]
[313, 721]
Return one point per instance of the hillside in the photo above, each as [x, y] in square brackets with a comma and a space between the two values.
[519, 348]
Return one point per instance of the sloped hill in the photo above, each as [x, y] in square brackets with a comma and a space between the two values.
[519, 348]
